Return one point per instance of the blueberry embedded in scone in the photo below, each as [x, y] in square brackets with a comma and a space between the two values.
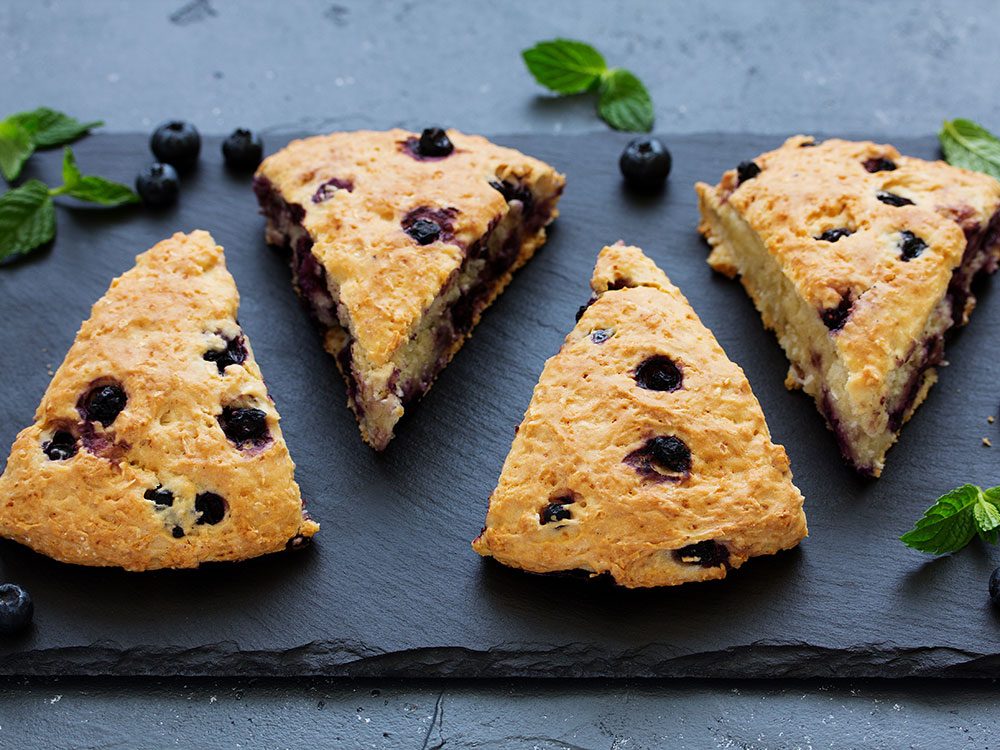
[156, 444]
[399, 241]
[860, 259]
[644, 454]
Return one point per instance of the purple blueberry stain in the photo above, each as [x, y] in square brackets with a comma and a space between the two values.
[910, 245]
[425, 224]
[879, 164]
[664, 457]
[659, 373]
[234, 352]
[892, 199]
[330, 188]
[707, 554]
[836, 317]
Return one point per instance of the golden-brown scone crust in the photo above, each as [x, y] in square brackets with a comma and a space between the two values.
[149, 333]
[587, 414]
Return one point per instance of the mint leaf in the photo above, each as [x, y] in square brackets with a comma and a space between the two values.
[624, 102]
[27, 219]
[971, 146]
[48, 127]
[565, 65]
[89, 188]
[15, 148]
[954, 519]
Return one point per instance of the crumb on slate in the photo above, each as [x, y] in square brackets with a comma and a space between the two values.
[987, 443]
[991, 420]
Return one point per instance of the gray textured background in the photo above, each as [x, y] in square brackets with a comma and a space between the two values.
[769, 67]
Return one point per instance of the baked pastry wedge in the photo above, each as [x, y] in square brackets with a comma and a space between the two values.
[860, 259]
[398, 243]
[643, 453]
[156, 444]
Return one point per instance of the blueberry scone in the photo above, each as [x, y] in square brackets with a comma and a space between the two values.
[156, 444]
[860, 259]
[643, 453]
[398, 243]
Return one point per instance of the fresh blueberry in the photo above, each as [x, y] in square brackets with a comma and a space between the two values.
[746, 170]
[708, 554]
[601, 335]
[234, 353]
[910, 246]
[16, 609]
[645, 163]
[670, 453]
[434, 142]
[658, 373]
[835, 317]
[556, 511]
[61, 446]
[424, 231]
[832, 235]
[176, 143]
[892, 199]
[160, 496]
[995, 587]
[243, 150]
[243, 424]
[158, 185]
[103, 403]
[211, 507]
[879, 164]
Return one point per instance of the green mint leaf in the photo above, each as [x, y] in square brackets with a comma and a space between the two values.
[565, 65]
[50, 128]
[966, 144]
[27, 219]
[624, 102]
[949, 524]
[89, 188]
[15, 148]
[987, 515]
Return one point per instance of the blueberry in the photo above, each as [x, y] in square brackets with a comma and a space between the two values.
[645, 163]
[329, 188]
[103, 404]
[670, 453]
[434, 142]
[995, 587]
[515, 192]
[832, 235]
[61, 446]
[176, 143]
[243, 150]
[158, 185]
[879, 164]
[211, 507]
[746, 170]
[601, 335]
[16, 609]
[580, 311]
[658, 373]
[892, 199]
[708, 554]
[243, 424]
[424, 231]
[160, 496]
[234, 353]
[835, 317]
[556, 511]
[177, 532]
[910, 246]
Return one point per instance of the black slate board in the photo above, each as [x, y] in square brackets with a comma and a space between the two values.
[391, 586]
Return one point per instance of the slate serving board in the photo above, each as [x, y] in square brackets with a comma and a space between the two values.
[391, 586]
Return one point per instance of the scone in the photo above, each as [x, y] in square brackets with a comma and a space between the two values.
[860, 259]
[156, 444]
[398, 244]
[643, 454]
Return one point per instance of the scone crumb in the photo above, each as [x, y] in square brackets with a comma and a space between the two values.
[987, 442]
[991, 420]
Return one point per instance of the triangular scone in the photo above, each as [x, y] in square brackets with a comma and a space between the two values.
[397, 253]
[860, 259]
[644, 453]
[156, 444]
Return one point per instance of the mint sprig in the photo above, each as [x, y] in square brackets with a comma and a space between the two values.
[971, 146]
[567, 66]
[955, 518]
[27, 213]
[22, 133]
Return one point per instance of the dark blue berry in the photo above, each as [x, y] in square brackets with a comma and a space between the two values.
[746, 170]
[708, 554]
[910, 246]
[211, 507]
[16, 609]
[658, 373]
[832, 235]
[61, 446]
[879, 164]
[243, 150]
[424, 231]
[160, 496]
[176, 143]
[177, 532]
[512, 192]
[556, 511]
[995, 587]
[892, 199]
[103, 404]
[835, 317]
[329, 188]
[243, 424]
[234, 353]
[158, 185]
[601, 335]
[434, 142]
[645, 163]
[670, 453]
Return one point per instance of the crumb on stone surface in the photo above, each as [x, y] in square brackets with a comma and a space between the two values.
[987, 442]
[991, 419]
